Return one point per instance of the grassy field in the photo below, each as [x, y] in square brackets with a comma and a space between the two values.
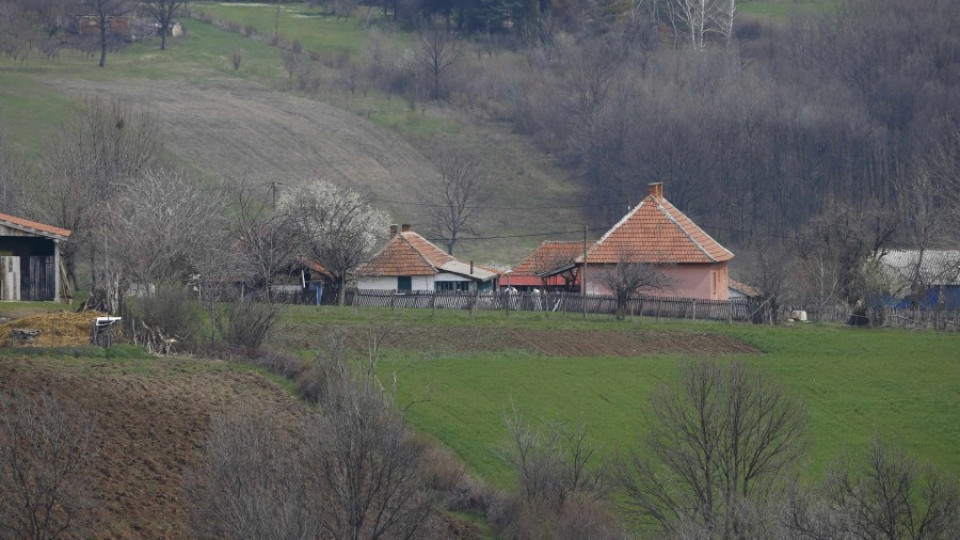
[854, 382]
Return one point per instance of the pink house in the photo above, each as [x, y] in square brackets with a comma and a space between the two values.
[656, 232]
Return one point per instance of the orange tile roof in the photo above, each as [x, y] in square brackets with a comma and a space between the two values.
[548, 254]
[748, 290]
[656, 232]
[406, 254]
[33, 226]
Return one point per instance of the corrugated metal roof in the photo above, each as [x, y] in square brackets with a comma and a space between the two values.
[655, 231]
[937, 267]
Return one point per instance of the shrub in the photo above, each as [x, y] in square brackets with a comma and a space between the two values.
[167, 320]
[246, 325]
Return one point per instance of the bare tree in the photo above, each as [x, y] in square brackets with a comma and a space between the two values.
[629, 277]
[695, 20]
[436, 52]
[891, 498]
[104, 143]
[255, 481]
[770, 274]
[105, 11]
[555, 255]
[164, 12]
[456, 192]
[721, 440]
[267, 240]
[161, 224]
[46, 447]
[339, 226]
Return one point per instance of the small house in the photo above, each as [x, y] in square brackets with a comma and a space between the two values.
[30, 259]
[657, 233]
[531, 272]
[409, 263]
[925, 279]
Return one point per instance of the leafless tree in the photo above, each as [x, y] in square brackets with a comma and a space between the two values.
[12, 175]
[267, 239]
[554, 255]
[437, 52]
[770, 273]
[255, 481]
[456, 192]
[630, 276]
[722, 440]
[164, 13]
[105, 11]
[340, 227]
[46, 447]
[891, 498]
[103, 143]
[161, 224]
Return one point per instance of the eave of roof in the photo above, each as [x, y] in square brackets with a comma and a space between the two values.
[655, 231]
[34, 227]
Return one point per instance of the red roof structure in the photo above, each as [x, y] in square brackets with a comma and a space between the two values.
[34, 227]
[409, 254]
[548, 256]
[654, 231]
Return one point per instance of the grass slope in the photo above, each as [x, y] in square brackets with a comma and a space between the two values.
[854, 381]
[223, 122]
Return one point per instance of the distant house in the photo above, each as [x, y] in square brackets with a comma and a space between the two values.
[548, 256]
[742, 291]
[409, 263]
[30, 259]
[925, 279]
[656, 232]
[120, 26]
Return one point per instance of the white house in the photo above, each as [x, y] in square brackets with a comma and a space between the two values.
[409, 263]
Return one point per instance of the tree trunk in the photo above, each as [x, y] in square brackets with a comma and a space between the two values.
[103, 41]
[342, 291]
[163, 38]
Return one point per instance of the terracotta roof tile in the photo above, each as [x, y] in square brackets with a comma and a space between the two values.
[656, 231]
[407, 254]
[33, 226]
[548, 256]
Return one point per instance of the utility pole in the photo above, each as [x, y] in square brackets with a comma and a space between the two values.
[273, 190]
[583, 275]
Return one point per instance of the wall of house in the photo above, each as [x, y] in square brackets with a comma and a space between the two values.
[389, 283]
[702, 281]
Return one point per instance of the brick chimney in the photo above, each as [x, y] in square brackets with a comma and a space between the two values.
[656, 189]
[393, 231]
[405, 227]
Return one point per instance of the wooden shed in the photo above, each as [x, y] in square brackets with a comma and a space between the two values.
[30, 259]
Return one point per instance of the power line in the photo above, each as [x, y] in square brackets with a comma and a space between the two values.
[479, 207]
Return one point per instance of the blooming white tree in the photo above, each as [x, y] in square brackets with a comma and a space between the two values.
[339, 227]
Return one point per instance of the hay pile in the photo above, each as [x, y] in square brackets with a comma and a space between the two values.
[60, 329]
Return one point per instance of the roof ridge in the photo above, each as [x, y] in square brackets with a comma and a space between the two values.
[417, 251]
[613, 229]
[684, 230]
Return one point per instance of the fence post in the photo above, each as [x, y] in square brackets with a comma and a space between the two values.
[693, 309]
[729, 312]
[433, 304]
[659, 305]
[393, 295]
[473, 301]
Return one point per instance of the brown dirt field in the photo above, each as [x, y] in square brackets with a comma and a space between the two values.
[564, 343]
[153, 416]
[60, 329]
[235, 129]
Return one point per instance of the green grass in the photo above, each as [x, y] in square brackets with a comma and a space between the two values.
[314, 30]
[854, 382]
[783, 8]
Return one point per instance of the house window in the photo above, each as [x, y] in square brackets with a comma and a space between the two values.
[404, 283]
[448, 286]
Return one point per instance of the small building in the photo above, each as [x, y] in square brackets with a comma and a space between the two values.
[925, 279]
[655, 232]
[548, 256]
[742, 291]
[30, 259]
[409, 263]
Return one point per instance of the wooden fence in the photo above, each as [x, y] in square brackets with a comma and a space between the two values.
[562, 302]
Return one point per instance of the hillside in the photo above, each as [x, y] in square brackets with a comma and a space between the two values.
[226, 123]
[152, 422]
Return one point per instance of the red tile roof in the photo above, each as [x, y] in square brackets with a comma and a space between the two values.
[548, 256]
[655, 231]
[406, 254]
[33, 226]
[747, 290]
